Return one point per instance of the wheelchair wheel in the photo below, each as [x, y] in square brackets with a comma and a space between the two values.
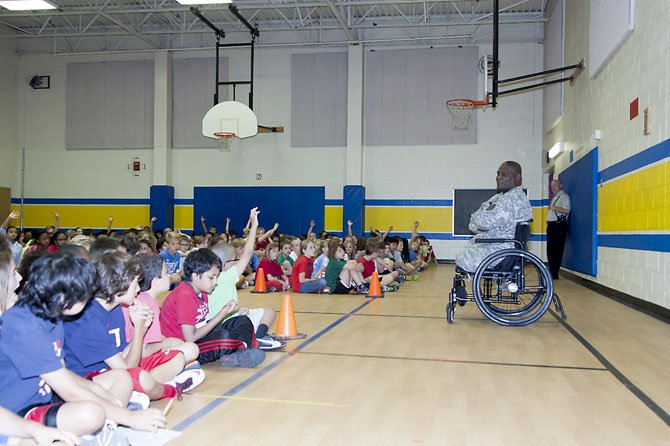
[451, 309]
[517, 295]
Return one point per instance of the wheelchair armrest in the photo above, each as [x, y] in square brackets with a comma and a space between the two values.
[499, 240]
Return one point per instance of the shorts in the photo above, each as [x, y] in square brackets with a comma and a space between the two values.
[157, 359]
[255, 314]
[45, 414]
[341, 288]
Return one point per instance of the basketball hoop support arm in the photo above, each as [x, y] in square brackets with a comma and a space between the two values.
[220, 34]
[578, 67]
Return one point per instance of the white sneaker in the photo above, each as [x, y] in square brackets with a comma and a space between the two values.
[107, 436]
[269, 343]
[187, 380]
[138, 401]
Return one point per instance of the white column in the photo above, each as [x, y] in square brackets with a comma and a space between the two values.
[162, 162]
[355, 116]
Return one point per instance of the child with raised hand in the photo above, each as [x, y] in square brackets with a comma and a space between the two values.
[96, 341]
[301, 278]
[275, 279]
[9, 278]
[31, 353]
[343, 276]
[185, 312]
[225, 293]
[12, 234]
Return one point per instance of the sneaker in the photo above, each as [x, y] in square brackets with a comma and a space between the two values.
[107, 436]
[138, 401]
[247, 358]
[269, 343]
[187, 380]
[392, 287]
[363, 288]
[245, 285]
[272, 289]
[401, 278]
[192, 365]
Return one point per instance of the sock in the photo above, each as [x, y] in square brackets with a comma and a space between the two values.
[168, 392]
[262, 331]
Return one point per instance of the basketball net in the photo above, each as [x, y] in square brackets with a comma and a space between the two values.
[461, 112]
[224, 139]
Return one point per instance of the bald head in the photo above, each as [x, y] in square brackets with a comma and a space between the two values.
[508, 176]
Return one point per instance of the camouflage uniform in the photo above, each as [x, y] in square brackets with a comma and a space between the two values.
[496, 218]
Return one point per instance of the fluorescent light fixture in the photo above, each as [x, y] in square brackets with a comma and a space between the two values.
[202, 2]
[556, 149]
[26, 5]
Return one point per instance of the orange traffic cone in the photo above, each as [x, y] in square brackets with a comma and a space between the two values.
[260, 286]
[286, 327]
[375, 288]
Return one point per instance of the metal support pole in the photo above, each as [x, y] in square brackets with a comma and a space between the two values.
[496, 31]
[216, 89]
[542, 73]
[530, 87]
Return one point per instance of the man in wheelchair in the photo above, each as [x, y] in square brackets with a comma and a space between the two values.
[510, 285]
[497, 217]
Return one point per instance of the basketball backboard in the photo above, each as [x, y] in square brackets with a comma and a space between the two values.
[230, 117]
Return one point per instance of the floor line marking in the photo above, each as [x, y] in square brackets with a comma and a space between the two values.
[268, 400]
[462, 361]
[253, 378]
[643, 397]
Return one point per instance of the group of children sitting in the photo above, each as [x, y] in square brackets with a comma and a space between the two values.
[85, 345]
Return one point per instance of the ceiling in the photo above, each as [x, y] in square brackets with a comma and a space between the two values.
[80, 26]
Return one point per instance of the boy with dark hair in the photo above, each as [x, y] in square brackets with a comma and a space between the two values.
[31, 351]
[155, 281]
[184, 316]
[96, 340]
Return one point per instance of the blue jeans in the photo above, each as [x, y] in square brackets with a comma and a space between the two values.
[312, 286]
[254, 262]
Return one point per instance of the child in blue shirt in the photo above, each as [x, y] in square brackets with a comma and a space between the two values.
[96, 341]
[31, 353]
[172, 259]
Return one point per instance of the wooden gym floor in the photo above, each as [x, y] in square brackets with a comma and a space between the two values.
[393, 372]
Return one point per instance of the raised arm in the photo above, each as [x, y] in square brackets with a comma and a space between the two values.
[202, 222]
[228, 225]
[12, 215]
[151, 223]
[57, 223]
[385, 234]
[312, 223]
[245, 258]
[415, 230]
[110, 220]
[349, 225]
[374, 232]
[268, 233]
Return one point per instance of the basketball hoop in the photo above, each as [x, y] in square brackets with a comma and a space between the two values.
[461, 111]
[224, 139]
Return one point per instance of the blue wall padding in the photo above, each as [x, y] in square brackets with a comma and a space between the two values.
[161, 206]
[353, 209]
[580, 182]
[291, 207]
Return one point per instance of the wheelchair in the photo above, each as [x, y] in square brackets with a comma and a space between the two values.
[511, 287]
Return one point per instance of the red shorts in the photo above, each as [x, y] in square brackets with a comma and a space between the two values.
[159, 358]
[45, 414]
